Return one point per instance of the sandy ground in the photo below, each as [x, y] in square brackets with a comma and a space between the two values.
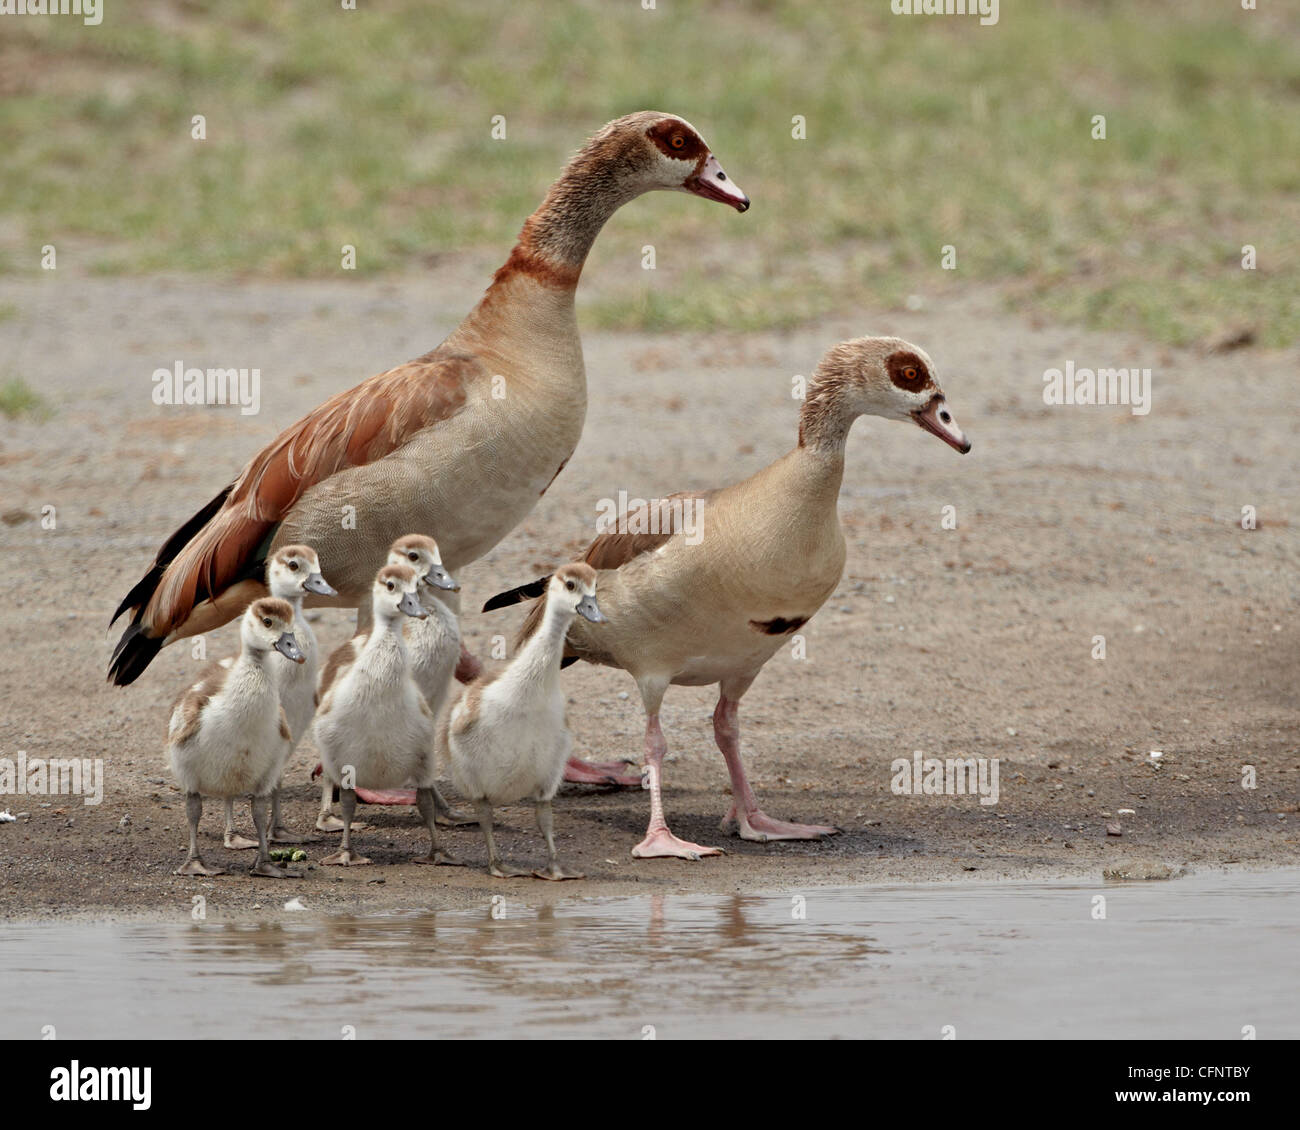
[1072, 522]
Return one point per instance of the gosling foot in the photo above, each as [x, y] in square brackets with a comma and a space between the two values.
[235, 842]
[660, 843]
[507, 871]
[344, 859]
[196, 866]
[556, 872]
[268, 870]
[326, 822]
[439, 857]
[282, 835]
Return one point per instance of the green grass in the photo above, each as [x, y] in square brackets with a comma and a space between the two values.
[328, 127]
[18, 398]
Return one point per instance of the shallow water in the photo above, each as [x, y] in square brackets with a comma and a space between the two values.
[1202, 956]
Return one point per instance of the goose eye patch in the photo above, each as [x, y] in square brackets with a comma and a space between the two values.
[678, 143]
[909, 372]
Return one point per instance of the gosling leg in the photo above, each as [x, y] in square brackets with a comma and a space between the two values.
[263, 865]
[427, 802]
[326, 821]
[193, 865]
[546, 822]
[232, 839]
[495, 865]
[279, 833]
[345, 857]
[448, 817]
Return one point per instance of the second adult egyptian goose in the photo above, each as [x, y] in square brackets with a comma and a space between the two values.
[459, 443]
[715, 608]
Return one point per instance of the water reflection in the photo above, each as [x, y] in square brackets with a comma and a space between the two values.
[993, 960]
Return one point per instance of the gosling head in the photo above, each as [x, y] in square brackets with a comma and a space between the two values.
[293, 571]
[268, 626]
[651, 150]
[573, 588]
[889, 377]
[394, 593]
[421, 554]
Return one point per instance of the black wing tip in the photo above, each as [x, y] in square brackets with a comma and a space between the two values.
[134, 652]
[530, 591]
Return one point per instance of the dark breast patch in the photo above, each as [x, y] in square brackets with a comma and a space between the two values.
[779, 626]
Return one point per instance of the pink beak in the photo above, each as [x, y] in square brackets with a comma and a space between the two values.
[937, 420]
[713, 184]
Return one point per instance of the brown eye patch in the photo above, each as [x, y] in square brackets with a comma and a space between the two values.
[676, 141]
[909, 372]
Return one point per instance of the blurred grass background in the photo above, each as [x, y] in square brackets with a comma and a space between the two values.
[372, 127]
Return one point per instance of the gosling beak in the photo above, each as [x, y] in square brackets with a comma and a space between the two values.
[287, 646]
[439, 578]
[588, 610]
[411, 606]
[713, 184]
[936, 419]
[317, 584]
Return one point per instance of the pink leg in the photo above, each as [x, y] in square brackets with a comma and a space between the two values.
[754, 823]
[468, 668]
[599, 773]
[659, 841]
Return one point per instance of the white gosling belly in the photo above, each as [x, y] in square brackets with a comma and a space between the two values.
[238, 748]
[507, 738]
[374, 728]
[227, 735]
[517, 751]
[377, 723]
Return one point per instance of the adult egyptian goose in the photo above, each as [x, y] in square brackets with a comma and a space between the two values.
[433, 647]
[228, 735]
[507, 738]
[459, 443]
[373, 727]
[714, 607]
[292, 572]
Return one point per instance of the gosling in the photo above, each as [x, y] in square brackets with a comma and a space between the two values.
[507, 737]
[373, 728]
[228, 735]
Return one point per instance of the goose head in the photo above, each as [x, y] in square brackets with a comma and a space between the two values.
[421, 554]
[573, 589]
[293, 571]
[651, 150]
[268, 626]
[889, 377]
[394, 593]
